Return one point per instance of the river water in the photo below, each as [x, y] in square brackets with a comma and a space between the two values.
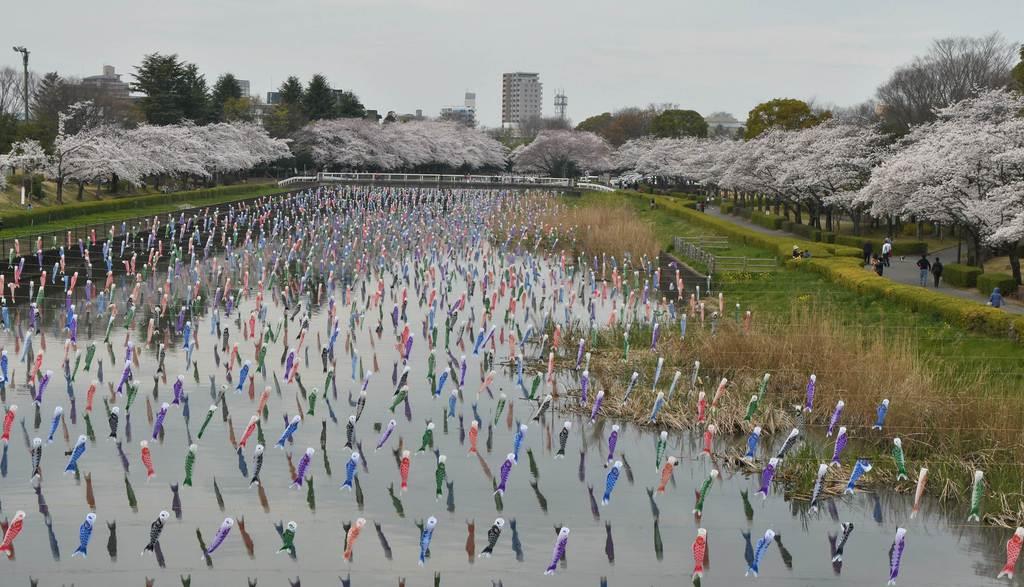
[625, 542]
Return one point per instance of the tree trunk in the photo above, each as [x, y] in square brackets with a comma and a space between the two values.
[60, 190]
[797, 217]
[920, 229]
[974, 250]
[828, 218]
[1015, 263]
[888, 226]
[855, 217]
[81, 190]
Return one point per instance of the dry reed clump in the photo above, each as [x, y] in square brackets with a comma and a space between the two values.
[605, 227]
[856, 366]
[951, 425]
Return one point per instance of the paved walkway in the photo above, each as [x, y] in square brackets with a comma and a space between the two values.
[901, 271]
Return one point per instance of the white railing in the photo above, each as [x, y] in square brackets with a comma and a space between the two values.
[431, 178]
[595, 186]
[297, 179]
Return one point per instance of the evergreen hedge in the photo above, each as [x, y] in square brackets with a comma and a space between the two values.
[960, 275]
[1004, 281]
[766, 220]
[966, 313]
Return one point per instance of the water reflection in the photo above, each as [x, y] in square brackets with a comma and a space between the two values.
[543, 492]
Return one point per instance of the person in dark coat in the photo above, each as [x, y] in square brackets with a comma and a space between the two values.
[937, 271]
[924, 267]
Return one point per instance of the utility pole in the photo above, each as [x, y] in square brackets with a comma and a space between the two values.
[24, 60]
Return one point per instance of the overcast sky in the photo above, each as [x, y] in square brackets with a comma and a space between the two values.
[401, 55]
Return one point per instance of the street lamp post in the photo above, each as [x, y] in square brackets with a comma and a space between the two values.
[24, 60]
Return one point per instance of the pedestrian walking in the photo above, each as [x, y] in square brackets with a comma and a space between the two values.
[868, 250]
[937, 271]
[886, 251]
[923, 267]
[996, 299]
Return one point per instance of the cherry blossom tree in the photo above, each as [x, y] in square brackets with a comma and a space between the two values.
[819, 168]
[90, 151]
[174, 151]
[91, 138]
[361, 144]
[95, 155]
[238, 146]
[563, 153]
[966, 168]
[828, 164]
[27, 155]
[627, 157]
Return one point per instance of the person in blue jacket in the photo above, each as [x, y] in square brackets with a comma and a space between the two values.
[996, 299]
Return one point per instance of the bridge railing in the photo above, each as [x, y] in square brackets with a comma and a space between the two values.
[429, 178]
[297, 180]
[597, 187]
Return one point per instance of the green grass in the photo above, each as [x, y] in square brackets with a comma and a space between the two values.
[963, 414]
[944, 347]
[947, 348]
[10, 199]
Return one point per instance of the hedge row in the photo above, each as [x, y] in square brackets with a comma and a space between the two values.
[766, 220]
[845, 269]
[805, 230]
[782, 246]
[960, 275]
[1004, 281]
[49, 214]
[965, 313]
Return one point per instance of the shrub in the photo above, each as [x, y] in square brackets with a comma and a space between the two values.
[960, 275]
[807, 231]
[966, 313]
[766, 220]
[1004, 281]
[909, 248]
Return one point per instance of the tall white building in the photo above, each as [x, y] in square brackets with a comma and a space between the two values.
[244, 85]
[521, 98]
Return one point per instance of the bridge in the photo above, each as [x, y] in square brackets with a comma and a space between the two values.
[436, 179]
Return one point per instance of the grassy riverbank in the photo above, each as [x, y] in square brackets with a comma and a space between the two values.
[29, 223]
[954, 394]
